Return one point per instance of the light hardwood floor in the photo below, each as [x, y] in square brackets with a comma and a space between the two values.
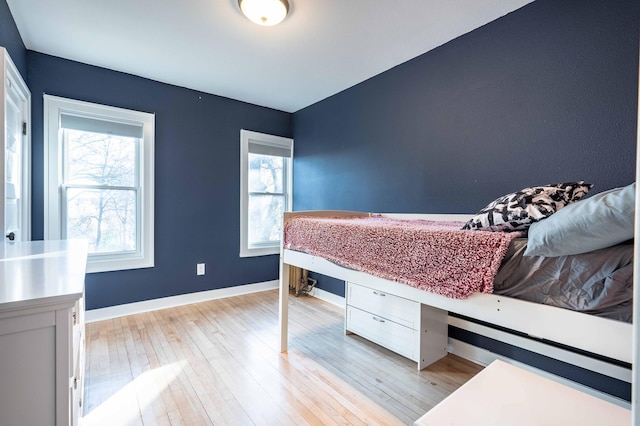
[217, 363]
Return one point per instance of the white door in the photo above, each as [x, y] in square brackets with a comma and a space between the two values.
[15, 212]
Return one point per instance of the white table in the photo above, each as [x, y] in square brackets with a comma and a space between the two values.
[504, 395]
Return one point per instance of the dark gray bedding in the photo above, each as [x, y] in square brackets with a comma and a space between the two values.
[598, 282]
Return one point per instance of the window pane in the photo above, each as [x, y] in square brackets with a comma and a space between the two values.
[266, 173]
[99, 159]
[11, 215]
[107, 218]
[265, 218]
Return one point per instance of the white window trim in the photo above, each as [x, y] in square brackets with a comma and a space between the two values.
[245, 136]
[53, 107]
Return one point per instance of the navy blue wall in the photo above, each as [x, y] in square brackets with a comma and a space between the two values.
[197, 189]
[545, 94]
[10, 39]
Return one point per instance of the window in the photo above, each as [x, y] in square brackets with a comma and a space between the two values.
[99, 177]
[265, 191]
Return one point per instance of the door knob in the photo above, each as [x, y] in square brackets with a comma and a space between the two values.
[11, 236]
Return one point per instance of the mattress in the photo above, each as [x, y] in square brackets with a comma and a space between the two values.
[598, 283]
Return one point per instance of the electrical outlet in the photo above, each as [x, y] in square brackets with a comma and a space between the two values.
[200, 269]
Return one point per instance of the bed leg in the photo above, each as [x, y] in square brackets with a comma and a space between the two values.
[432, 343]
[284, 304]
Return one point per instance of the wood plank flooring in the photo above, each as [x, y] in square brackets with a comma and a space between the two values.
[217, 363]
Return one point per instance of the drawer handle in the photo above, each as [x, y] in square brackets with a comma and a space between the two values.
[377, 319]
[378, 293]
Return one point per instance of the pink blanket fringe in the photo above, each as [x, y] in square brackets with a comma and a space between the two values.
[431, 256]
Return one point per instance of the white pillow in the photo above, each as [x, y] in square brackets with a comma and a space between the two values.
[604, 220]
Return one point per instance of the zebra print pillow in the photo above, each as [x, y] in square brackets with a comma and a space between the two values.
[518, 210]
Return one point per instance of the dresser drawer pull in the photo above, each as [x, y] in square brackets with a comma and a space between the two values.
[377, 319]
[378, 293]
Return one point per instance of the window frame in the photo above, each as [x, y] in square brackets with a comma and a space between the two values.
[54, 208]
[246, 136]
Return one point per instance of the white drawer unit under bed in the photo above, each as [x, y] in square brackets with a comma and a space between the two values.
[407, 327]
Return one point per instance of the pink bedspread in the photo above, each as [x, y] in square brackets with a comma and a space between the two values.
[432, 256]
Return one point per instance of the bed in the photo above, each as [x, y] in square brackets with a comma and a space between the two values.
[593, 334]
[562, 229]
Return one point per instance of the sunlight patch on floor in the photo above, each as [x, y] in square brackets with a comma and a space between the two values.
[124, 406]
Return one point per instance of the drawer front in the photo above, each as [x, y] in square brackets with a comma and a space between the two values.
[77, 387]
[77, 324]
[76, 329]
[397, 309]
[393, 336]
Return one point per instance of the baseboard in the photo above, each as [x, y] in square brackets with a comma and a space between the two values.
[485, 357]
[173, 301]
[329, 297]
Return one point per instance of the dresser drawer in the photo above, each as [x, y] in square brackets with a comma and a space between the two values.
[397, 309]
[77, 327]
[393, 336]
[77, 389]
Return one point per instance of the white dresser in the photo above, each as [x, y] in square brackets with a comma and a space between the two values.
[409, 328]
[42, 332]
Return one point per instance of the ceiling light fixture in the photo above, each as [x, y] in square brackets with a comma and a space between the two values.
[265, 12]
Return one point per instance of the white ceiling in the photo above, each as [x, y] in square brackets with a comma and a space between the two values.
[322, 47]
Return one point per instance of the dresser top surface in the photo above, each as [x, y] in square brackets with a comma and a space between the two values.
[503, 394]
[40, 272]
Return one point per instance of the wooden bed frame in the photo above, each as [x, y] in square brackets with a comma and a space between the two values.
[601, 336]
